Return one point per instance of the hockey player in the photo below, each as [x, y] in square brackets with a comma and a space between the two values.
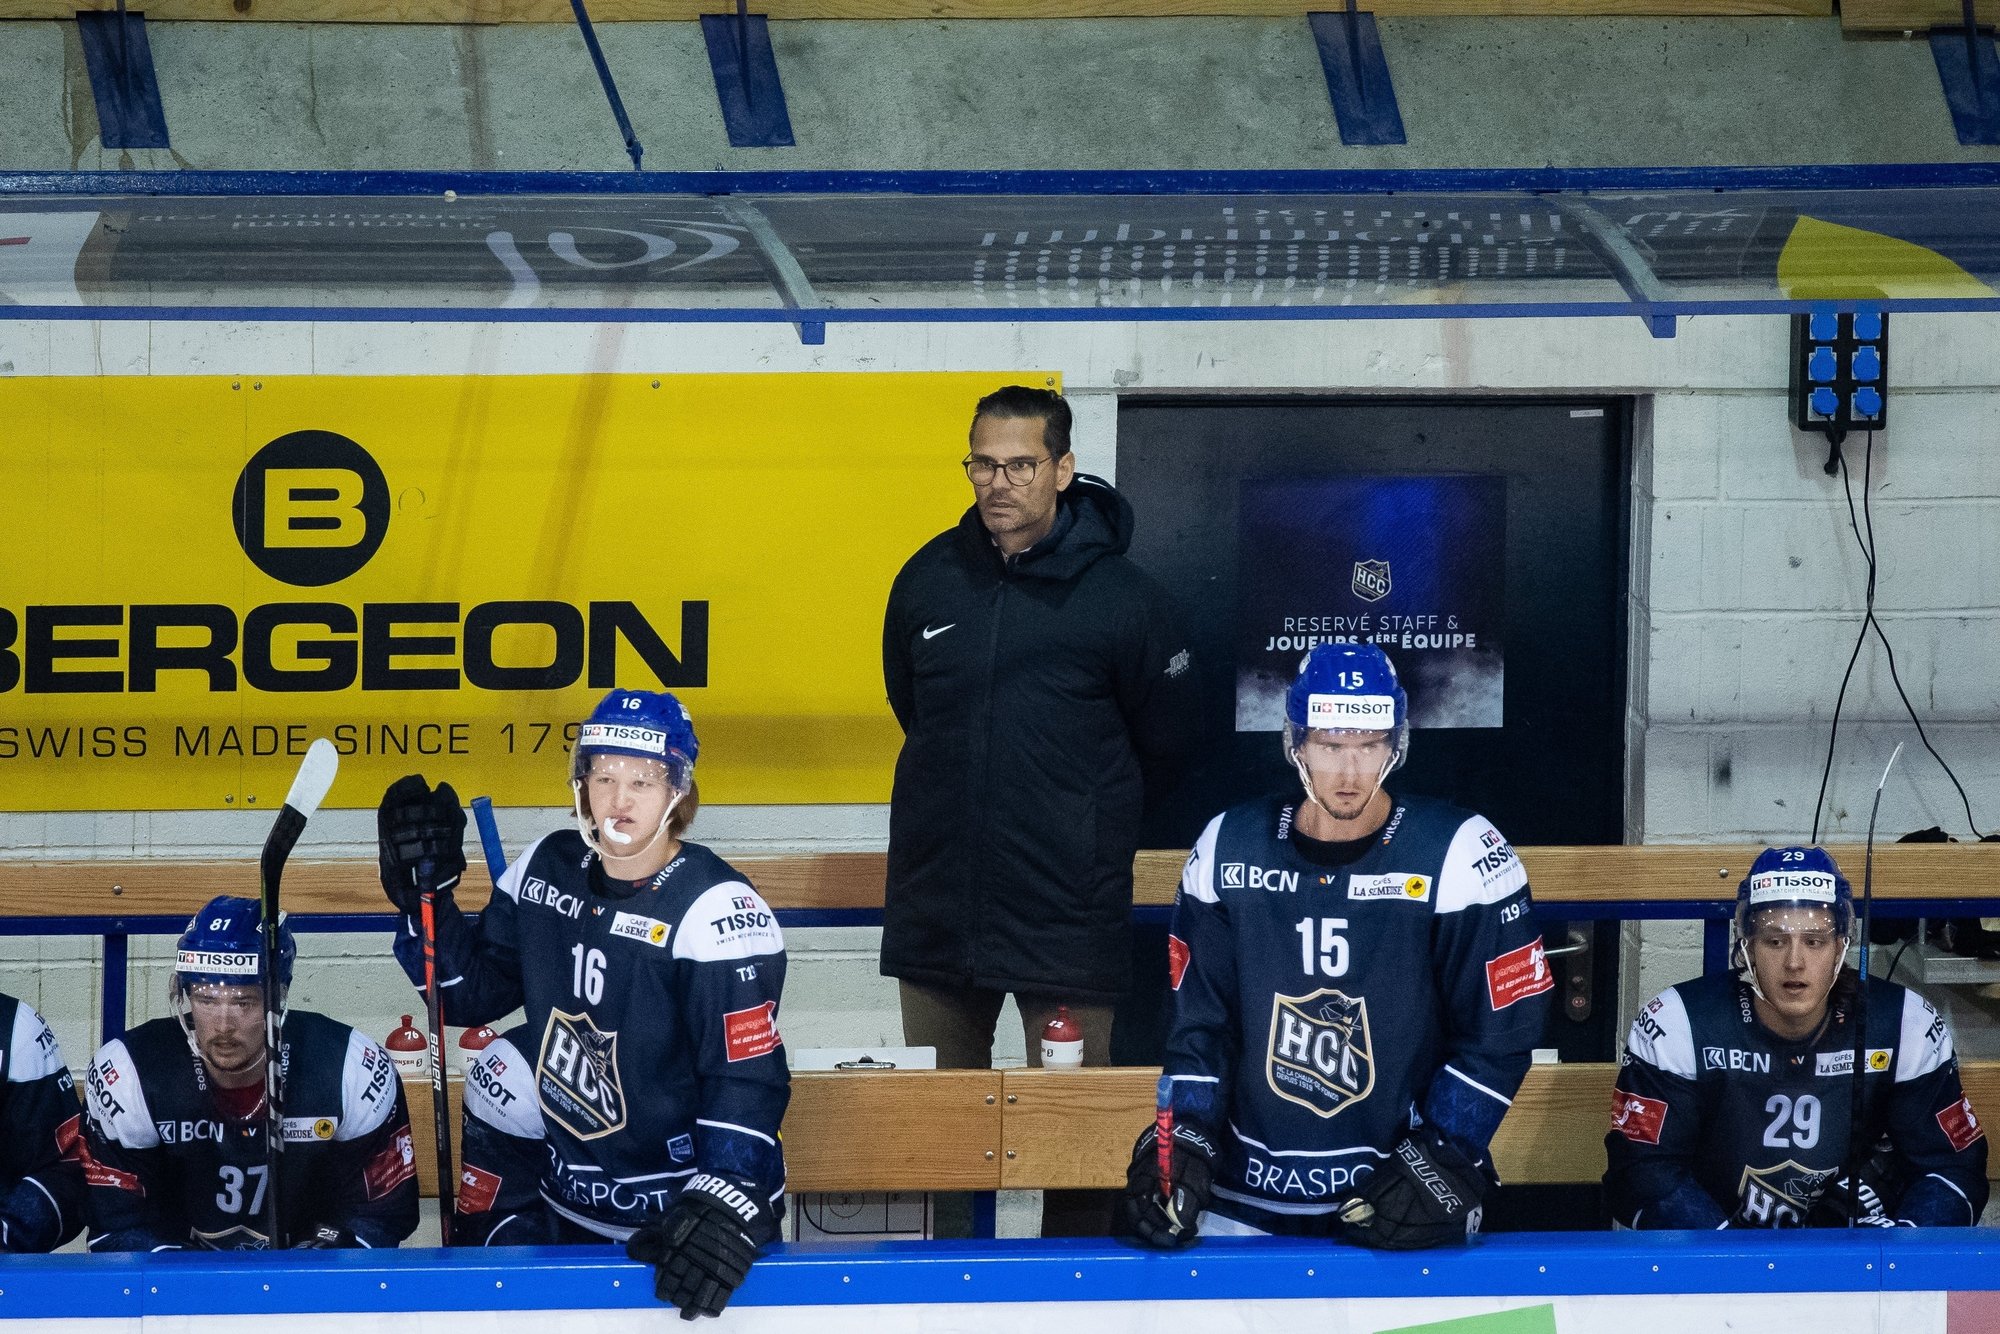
[641, 1100]
[176, 1114]
[1357, 984]
[41, 1172]
[1735, 1099]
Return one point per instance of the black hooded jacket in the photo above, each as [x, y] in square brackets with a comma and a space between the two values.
[1029, 690]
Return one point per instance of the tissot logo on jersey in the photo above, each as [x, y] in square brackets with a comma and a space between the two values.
[1393, 885]
[1320, 1055]
[538, 890]
[577, 1076]
[632, 926]
[749, 917]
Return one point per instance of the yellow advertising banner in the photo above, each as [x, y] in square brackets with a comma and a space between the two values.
[443, 574]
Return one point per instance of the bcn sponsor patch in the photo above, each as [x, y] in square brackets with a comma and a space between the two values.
[1395, 885]
[576, 1076]
[1639, 1119]
[1320, 1054]
[1959, 1124]
[747, 1034]
[1177, 960]
[1518, 974]
[390, 1168]
[632, 926]
[477, 1190]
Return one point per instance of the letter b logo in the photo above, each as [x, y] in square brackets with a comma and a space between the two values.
[310, 508]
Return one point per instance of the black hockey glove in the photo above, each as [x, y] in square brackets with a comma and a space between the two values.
[416, 825]
[1843, 1205]
[1143, 1214]
[702, 1249]
[1426, 1195]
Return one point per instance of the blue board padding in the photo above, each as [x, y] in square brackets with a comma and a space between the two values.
[1974, 99]
[899, 1273]
[120, 61]
[746, 80]
[1357, 78]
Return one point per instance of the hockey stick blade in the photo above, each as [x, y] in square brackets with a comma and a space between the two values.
[315, 777]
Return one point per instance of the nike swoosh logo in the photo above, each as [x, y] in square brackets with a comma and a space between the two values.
[930, 633]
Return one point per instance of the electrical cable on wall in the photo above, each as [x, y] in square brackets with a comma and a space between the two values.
[1866, 521]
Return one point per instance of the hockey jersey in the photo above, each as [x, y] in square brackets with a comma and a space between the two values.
[651, 1047]
[1320, 1010]
[167, 1169]
[1716, 1121]
[41, 1154]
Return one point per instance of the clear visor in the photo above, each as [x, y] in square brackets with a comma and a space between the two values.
[1340, 751]
[673, 770]
[1816, 924]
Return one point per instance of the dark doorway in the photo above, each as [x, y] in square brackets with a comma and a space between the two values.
[1554, 772]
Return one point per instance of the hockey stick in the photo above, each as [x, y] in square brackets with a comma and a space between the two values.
[309, 788]
[489, 838]
[434, 999]
[1857, 1142]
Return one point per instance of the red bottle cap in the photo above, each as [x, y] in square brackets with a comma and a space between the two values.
[407, 1038]
[1062, 1028]
[476, 1039]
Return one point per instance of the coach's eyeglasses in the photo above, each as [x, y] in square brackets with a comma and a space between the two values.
[1020, 472]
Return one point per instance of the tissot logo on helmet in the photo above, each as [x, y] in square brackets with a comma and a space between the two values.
[310, 508]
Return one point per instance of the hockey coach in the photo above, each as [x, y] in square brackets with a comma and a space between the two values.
[1034, 670]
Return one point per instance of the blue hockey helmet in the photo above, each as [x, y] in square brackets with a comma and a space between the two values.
[640, 724]
[1347, 688]
[649, 724]
[1795, 878]
[224, 945]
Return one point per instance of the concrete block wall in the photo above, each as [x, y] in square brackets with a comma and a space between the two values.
[1745, 585]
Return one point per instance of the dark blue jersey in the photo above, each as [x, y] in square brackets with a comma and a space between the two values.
[41, 1136]
[1717, 1121]
[168, 1168]
[1320, 1009]
[652, 1029]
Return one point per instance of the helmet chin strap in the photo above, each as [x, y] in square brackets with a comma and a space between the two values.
[1749, 970]
[1305, 781]
[590, 828]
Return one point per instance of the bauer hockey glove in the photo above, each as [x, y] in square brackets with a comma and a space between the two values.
[1842, 1205]
[1426, 1195]
[1167, 1221]
[416, 825]
[702, 1249]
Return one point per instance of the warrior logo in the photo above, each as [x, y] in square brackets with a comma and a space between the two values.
[1371, 580]
[1780, 1196]
[1319, 1055]
[577, 1076]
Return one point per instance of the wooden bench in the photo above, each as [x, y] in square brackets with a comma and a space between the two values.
[1656, 873]
[912, 1130]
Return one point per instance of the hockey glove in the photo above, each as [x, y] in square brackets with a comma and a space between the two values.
[702, 1249]
[1843, 1205]
[1426, 1195]
[416, 825]
[1144, 1215]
